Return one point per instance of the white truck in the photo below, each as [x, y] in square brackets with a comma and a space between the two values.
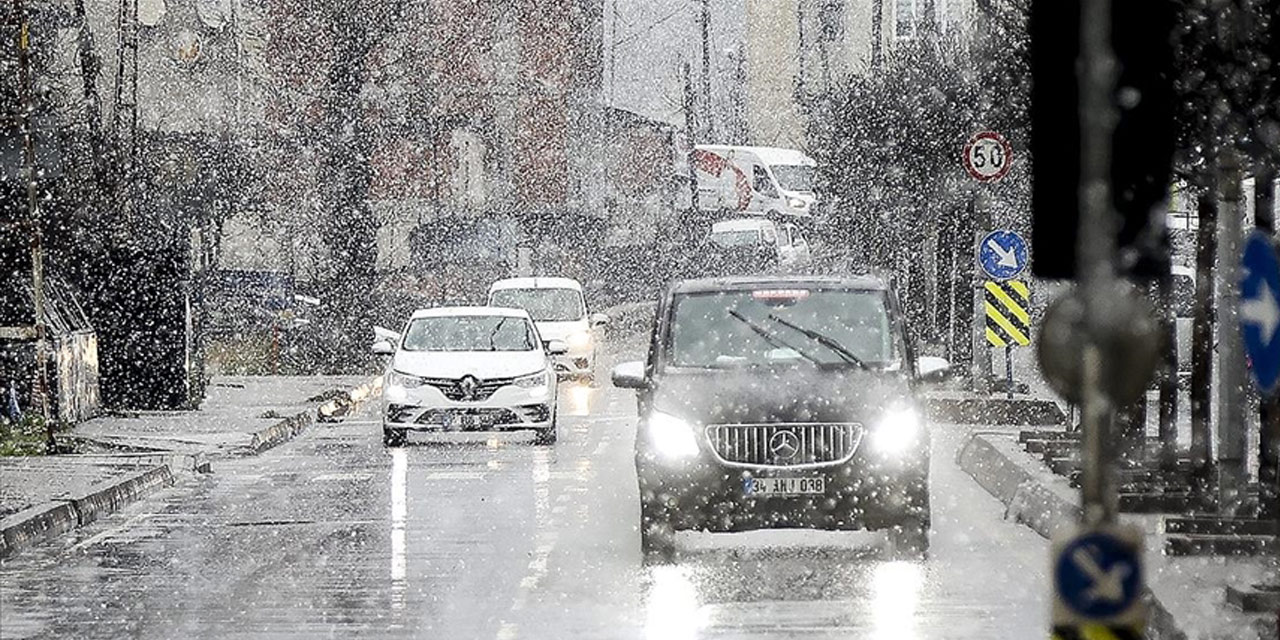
[764, 181]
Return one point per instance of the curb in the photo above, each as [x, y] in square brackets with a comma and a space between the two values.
[1019, 412]
[280, 432]
[334, 409]
[56, 517]
[1041, 509]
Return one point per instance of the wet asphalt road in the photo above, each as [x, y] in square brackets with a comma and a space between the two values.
[333, 536]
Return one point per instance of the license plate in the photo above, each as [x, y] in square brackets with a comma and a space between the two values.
[461, 421]
[784, 486]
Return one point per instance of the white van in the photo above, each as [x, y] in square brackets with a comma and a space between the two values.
[765, 181]
[560, 313]
[792, 250]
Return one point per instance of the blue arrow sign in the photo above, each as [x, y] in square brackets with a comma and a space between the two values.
[1098, 576]
[1259, 309]
[1003, 254]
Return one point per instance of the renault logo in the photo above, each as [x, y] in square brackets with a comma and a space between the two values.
[468, 385]
[784, 445]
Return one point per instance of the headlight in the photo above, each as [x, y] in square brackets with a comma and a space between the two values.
[795, 203]
[672, 438]
[395, 378]
[532, 381]
[898, 429]
[579, 340]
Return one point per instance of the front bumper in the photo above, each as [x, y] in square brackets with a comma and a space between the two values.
[863, 493]
[427, 409]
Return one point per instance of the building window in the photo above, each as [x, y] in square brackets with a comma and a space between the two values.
[905, 19]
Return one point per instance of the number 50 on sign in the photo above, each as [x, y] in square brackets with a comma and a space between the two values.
[988, 156]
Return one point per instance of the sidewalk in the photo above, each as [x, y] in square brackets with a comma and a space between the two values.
[1188, 593]
[126, 457]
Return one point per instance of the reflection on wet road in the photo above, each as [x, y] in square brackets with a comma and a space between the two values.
[493, 537]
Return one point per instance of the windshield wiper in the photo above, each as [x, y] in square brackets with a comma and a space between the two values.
[772, 338]
[824, 340]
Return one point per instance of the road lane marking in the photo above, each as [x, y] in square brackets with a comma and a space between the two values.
[507, 631]
[454, 475]
[344, 477]
[399, 513]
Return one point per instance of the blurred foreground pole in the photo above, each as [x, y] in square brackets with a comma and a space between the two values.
[1231, 379]
[1095, 251]
[981, 349]
[1202, 330]
[40, 390]
[1269, 407]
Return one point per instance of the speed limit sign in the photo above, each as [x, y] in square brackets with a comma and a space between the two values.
[987, 156]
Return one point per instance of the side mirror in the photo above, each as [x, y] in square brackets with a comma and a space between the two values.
[599, 319]
[630, 375]
[932, 369]
[557, 347]
[383, 348]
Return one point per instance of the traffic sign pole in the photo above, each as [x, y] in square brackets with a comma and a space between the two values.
[981, 353]
[1097, 569]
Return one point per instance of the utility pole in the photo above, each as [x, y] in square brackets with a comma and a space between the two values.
[877, 35]
[704, 25]
[40, 390]
[613, 56]
[691, 137]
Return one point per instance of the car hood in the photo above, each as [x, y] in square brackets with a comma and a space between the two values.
[481, 364]
[561, 330]
[770, 396]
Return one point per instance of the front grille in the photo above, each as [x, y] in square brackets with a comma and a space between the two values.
[784, 445]
[452, 388]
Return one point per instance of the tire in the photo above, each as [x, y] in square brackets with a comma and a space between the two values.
[909, 539]
[548, 435]
[393, 437]
[657, 536]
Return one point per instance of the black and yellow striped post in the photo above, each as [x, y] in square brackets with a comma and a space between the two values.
[1008, 318]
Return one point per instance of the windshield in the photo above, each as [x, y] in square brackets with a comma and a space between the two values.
[744, 328]
[794, 177]
[543, 305]
[745, 238]
[469, 333]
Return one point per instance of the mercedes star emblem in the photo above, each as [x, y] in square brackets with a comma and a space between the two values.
[784, 445]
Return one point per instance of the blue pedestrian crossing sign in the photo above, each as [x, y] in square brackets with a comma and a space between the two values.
[1003, 254]
[1260, 310]
[1097, 577]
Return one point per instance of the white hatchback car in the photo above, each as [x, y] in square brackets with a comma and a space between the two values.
[469, 369]
[560, 312]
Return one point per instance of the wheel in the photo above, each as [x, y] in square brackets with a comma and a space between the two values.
[909, 539]
[657, 536]
[393, 437]
[548, 435]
